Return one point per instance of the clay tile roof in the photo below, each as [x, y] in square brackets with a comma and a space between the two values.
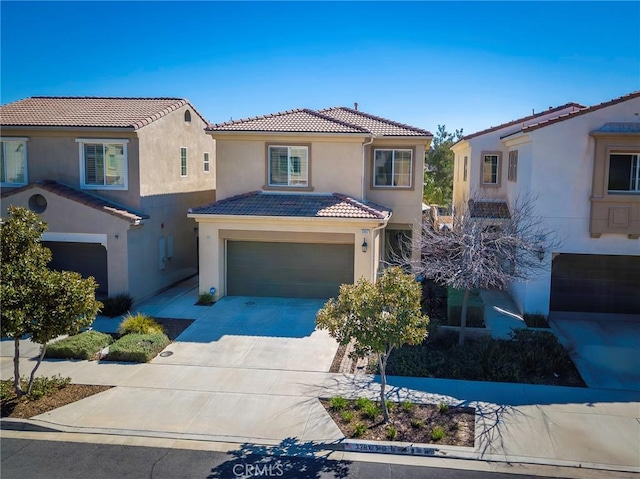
[584, 111]
[524, 119]
[257, 203]
[291, 121]
[132, 113]
[619, 127]
[86, 199]
[489, 209]
[377, 125]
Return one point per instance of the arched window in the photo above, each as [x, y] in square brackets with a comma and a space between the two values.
[187, 116]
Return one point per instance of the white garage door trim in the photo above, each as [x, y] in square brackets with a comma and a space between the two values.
[76, 238]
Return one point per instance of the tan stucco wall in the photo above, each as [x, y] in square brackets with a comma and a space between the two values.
[213, 233]
[66, 216]
[55, 155]
[160, 144]
[335, 163]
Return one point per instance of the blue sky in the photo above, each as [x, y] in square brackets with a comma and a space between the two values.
[465, 65]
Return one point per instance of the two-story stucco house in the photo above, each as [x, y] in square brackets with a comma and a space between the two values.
[308, 200]
[113, 178]
[583, 166]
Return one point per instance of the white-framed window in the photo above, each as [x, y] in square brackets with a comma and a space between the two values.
[183, 161]
[206, 165]
[392, 168]
[465, 168]
[103, 164]
[624, 173]
[512, 174]
[288, 165]
[13, 161]
[491, 169]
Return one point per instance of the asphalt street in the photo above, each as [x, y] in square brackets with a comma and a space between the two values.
[33, 459]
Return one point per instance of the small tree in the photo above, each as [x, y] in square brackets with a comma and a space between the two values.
[37, 301]
[378, 317]
[484, 249]
[438, 177]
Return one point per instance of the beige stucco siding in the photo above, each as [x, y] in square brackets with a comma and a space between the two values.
[55, 155]
[215, 231]
[160, 144]
[66, 216]
[336, 163]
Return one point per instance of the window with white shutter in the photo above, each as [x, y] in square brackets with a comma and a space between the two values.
[103, 164]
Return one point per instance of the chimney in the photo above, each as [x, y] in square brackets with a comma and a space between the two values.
[355, 106]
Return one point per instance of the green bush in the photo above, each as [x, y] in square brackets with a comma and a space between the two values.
[338, 403]
[81, 346]
[408, 406]
[443, 407]
[417, 423]
[534, 357]
[347, 416]
[138, 348]
[370, 411]
[391, 432]
[41, 386]
[361, 403]
[359, 429]
[139, 324]
[475, 309]
[437, 433]
[116, 305]
[205, 298]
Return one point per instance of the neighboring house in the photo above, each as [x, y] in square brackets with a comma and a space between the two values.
[308, 200]
[113, 178]
[583, 165]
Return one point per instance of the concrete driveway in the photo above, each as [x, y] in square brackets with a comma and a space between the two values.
[255, 333]
[604, 348]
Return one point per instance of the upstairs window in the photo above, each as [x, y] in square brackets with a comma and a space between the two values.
[183, 161]
[288, 166]
[491, 169]
[103, 164]
[13, 162]
[206, 164]
[624, 173]
[465, 168]
[512, 174]
[392, 168]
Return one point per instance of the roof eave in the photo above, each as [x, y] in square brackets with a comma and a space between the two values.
[67, 128]
[287, 218]
[282, 133]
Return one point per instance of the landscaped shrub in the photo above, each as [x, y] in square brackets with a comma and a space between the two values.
[41, 386]
[475, 309]
[534, 357]
[437, 433]
[81, 346]
[205, 299]
[138, 348]
[139, 324]
[338, 403]
[116, 305]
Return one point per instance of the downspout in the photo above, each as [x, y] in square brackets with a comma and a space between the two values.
[373, 231]
[364, 162]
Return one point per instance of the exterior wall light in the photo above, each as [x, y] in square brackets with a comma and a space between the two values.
[364, 245]
[540, 253]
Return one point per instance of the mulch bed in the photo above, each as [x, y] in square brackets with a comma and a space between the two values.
[173, 327]
[24, 408]
[413, 426]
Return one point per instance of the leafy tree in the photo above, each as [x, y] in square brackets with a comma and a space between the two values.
[378, 317]
[438, 177]
[37, 301]
[484, 251]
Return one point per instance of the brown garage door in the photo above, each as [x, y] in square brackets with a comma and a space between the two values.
[88, 259]
[290, 270]
[595, 283]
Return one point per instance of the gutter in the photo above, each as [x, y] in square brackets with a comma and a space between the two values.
[378, 228]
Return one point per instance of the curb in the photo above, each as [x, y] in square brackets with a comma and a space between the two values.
[396, 450]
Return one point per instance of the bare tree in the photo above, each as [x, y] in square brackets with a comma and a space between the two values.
[489, 245]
